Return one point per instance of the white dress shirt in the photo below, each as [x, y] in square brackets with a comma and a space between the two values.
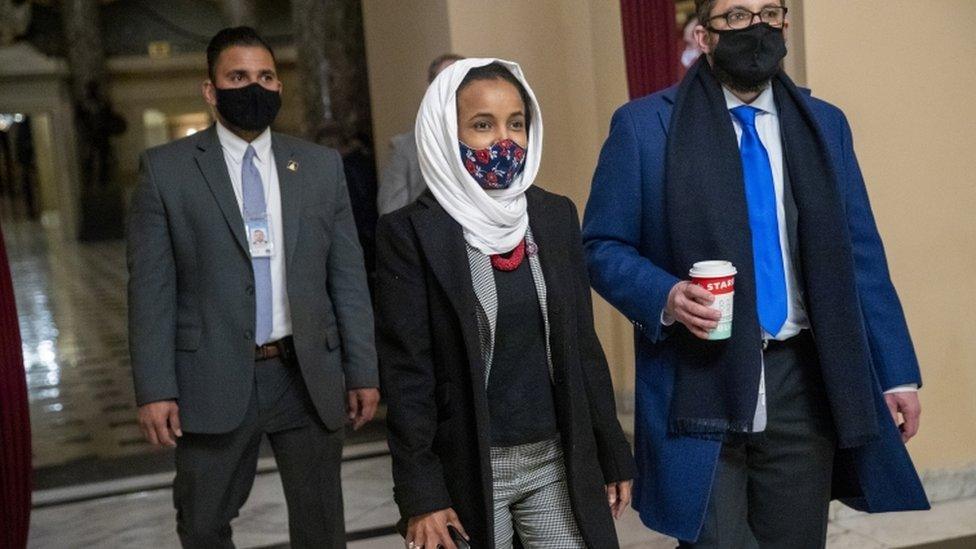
[234, 148]
[767, 126]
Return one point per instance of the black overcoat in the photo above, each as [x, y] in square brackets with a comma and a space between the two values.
[432, 375]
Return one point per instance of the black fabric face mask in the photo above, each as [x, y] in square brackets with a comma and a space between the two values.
[251, 108]
[745, 59]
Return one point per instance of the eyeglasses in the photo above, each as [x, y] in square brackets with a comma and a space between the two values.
[740, 18]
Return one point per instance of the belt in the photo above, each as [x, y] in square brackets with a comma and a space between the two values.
[284, 348]
[800, 340]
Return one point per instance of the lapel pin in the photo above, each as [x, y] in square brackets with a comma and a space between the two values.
[292, 166]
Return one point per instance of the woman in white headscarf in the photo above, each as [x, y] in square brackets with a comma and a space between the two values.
[501, 416]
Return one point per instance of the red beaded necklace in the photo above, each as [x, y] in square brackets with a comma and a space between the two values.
[511, 260]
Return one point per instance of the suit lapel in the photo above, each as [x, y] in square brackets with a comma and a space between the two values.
[290, 178]
[214, 168]
[664, 113]
[547, 237]
[443, 245]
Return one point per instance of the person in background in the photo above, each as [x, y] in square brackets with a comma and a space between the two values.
[401, 181]
[743, 442]
[359, 167]
[249, 314]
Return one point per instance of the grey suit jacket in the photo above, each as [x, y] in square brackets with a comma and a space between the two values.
[191, 285]
[401, 181]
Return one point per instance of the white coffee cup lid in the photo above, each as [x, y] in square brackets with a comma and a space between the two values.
[712, 269]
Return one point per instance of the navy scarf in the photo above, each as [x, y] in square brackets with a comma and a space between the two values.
[717, 382]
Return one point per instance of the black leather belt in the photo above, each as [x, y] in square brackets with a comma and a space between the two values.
[284, 348]
[800, 340]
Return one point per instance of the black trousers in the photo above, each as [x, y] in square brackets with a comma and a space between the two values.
[772, 489]
[215, 473]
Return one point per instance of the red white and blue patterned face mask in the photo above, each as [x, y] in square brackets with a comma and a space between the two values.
[495, 167]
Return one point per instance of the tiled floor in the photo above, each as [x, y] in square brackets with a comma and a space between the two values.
[71, 304]
[146, 518]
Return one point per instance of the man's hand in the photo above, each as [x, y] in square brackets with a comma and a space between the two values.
[430, 531]
[907, 405]
[361, 406]
[618, 496]
[160, 422]
[688, 303]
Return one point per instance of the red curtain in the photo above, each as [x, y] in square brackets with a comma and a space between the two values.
[650, 45]
[15, 445]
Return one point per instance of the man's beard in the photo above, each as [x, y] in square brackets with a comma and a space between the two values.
[738, 84]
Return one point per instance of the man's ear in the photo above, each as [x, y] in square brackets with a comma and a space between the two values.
[209, 92]
[704, 39]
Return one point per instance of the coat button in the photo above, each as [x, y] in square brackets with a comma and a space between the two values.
[248, 334]
[250, 290]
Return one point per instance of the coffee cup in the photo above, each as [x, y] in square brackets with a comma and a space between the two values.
[718, 277]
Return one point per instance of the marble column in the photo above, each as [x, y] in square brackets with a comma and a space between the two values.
[332, 69]
[86, 56]
[102, 211]
[239, 12]
[312, 36]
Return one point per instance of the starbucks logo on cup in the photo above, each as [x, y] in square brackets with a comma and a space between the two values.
[718, 277]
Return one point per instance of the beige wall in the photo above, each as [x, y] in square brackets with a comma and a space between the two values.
[402, 38]
[904, 72]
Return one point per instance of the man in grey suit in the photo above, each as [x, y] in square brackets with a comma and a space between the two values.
[401, 182]
[249, 313]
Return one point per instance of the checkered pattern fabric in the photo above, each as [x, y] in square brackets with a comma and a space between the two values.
[531, 497]
[483, 280]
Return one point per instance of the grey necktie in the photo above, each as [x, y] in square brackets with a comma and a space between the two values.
[256, 207]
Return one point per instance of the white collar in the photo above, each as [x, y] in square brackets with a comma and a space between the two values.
[765, 102]
[236, 147]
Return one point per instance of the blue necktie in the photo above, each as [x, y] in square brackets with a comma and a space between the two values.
[761, 199]
[256, 207]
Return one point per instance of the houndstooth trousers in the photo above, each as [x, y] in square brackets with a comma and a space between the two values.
[531, 497]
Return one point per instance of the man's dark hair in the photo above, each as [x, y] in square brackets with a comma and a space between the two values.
[703, 9]
[230, 37]
[497, 71]
[437, 62]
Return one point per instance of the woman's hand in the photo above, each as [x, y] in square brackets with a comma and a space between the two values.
[618, 496]
[430, 531]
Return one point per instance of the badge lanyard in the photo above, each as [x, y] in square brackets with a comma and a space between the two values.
[260, 239]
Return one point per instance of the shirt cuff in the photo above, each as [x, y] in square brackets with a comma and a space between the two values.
[666, 319]
[906, 388]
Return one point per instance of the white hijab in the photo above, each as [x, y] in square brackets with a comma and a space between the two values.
[493, 221]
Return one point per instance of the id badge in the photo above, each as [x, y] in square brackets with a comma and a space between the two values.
[259, 237]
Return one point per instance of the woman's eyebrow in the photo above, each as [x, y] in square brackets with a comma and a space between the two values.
[480, 114]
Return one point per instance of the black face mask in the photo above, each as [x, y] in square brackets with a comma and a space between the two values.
[251, 108]
[745, 59]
